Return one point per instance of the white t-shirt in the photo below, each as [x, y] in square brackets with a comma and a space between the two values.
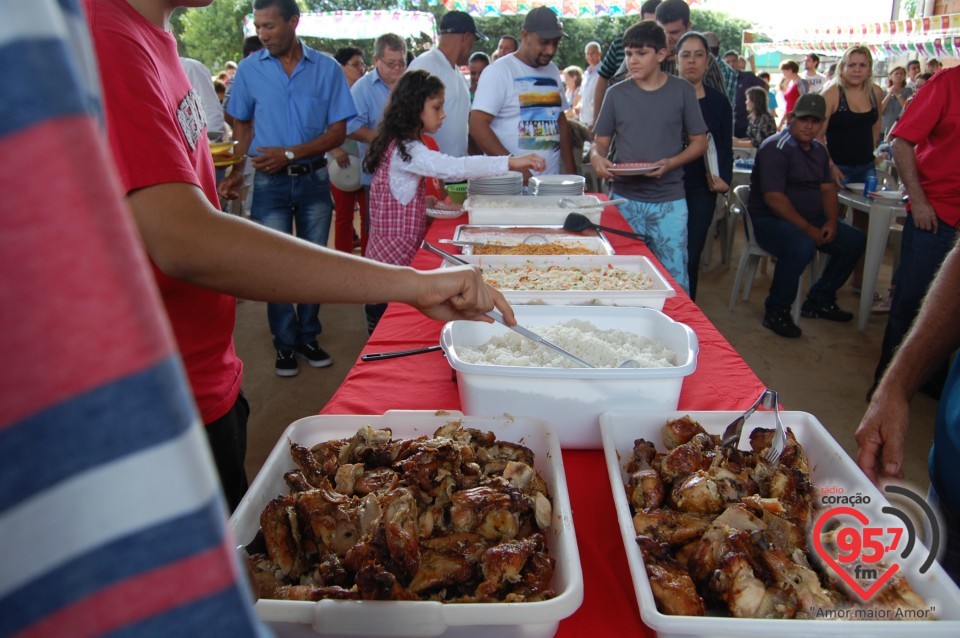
[199, 76]
[587, 90]
[452, 135]
[526, 103]
[812, 83]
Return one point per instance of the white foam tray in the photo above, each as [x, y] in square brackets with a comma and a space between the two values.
[526, 209]
[654, 297]
[392, 618]
[829, 465]
[571, 399]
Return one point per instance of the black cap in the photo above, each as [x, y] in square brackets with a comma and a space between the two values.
[545, 23]
[460, 22]
[811, 105]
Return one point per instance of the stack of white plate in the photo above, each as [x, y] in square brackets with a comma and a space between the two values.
[509, 184]
[560, 185]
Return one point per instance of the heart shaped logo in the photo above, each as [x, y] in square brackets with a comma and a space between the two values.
[880, 578]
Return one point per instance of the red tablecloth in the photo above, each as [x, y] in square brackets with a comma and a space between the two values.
[722, 381]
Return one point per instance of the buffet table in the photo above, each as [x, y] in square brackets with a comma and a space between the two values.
[722, 381]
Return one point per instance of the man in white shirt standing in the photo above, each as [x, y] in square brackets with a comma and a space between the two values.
[811, 81]
[592, 53]
[199, 76]
[458, 33]
[519, 104]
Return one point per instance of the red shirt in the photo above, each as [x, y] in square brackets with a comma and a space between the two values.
[157, 134]
[791, 95]
[932, 122]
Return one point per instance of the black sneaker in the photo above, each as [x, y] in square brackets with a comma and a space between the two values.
[313, 354]
[782, 324]
[287, 365]
[824, 310]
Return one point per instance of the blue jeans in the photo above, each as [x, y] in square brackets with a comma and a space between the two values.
[949, 559]
[857, 173]
[282, 202]
[921, 254]
[664, 224]
[794, 252]
[701, 205]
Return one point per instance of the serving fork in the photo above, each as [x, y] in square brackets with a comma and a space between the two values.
[768, 399]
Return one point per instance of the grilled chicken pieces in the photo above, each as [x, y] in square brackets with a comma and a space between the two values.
[724, 528]
[452, 517]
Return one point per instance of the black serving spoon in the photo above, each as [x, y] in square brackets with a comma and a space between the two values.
[576, 222]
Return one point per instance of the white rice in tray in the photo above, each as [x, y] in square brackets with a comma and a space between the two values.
[561, 277]
[601, 348]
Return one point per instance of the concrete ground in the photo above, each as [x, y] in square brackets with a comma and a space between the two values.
[826, 372]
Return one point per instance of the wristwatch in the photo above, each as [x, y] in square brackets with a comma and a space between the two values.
[289, 155]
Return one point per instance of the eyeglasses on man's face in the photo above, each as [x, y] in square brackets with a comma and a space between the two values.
[396, 64]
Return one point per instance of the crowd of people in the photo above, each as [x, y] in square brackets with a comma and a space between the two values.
[660, 94]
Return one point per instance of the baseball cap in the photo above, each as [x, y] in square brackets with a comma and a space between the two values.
[460, 22]
[545, 23]
[811, 105]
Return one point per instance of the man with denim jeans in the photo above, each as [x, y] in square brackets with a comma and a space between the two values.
[795, 212]
[295, 102]
[925, 147]
[884, 428]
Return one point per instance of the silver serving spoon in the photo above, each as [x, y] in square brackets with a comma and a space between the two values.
[530, 240]
[378, 356]
[568, 202]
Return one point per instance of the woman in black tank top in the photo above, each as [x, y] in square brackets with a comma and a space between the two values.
[851, 132]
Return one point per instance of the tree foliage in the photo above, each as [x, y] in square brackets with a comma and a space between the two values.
[214, 34]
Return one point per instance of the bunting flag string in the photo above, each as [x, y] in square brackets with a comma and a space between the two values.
[936, 36]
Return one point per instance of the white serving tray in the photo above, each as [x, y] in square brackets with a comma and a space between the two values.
[571, 399]
[394, 618]
[829, 465]
[653, 297]
[527, 209]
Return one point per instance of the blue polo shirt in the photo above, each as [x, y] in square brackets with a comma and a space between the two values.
[370, 96]
[782, 166]
[289, 110]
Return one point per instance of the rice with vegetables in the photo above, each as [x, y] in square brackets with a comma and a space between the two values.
[601, 348]
[557, 277]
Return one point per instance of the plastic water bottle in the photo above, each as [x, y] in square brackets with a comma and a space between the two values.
[870, 186]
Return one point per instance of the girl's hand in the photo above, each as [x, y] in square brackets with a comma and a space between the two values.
[601, 166]
[431, 201]
[529, 162]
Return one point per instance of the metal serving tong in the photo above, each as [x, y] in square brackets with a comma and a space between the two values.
[495, 314]
[731, 434]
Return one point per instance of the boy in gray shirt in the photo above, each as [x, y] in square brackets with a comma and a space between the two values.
[652, 115]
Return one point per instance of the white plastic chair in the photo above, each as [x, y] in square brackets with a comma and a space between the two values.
[725, 226]
[752, 253]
